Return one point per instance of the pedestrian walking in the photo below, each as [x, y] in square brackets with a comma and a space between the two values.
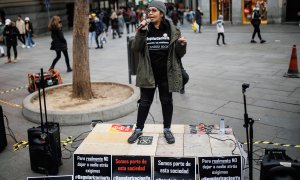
[198, 18]
[121, 22]
[133, 19]
[59, 43]
[127, 20]
[29, 33]
[11, 33]
[175, 16]
[2, 26]
[20, 24]
[256, 21]
[92, 29]
[115, 25]
[159, 46]
[99, 32]
[220, 30]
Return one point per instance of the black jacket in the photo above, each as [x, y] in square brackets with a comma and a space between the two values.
[198, 16]
[11, 33]
[58, 43]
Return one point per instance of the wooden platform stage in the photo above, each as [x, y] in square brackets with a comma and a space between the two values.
[106, 139]
[212, 153]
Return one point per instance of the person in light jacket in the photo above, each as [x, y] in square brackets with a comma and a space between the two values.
[220, 30]
[20, 24]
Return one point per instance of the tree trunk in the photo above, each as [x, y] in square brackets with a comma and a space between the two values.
[81, 70]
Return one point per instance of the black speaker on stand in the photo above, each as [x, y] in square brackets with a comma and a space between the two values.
[3, 141]
[44, 142]
[276, 165]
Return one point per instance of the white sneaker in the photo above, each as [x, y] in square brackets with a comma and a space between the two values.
[23, 46]
[28, 47]
[33, 45]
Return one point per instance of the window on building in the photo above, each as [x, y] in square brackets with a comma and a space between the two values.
[249, 5]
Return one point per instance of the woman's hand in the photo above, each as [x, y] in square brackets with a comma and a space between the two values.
[182, 41]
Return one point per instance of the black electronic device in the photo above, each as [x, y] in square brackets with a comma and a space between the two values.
[276, 165]
[45, 153]
[44, 140]
[3, 141]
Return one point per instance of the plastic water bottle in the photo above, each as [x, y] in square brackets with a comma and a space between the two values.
[222, 127]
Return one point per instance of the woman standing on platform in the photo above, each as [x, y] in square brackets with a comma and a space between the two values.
[59, 43]
[160, 46]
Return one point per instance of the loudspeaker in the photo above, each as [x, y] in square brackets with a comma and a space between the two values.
[276, 165]
[45, 153]
[3, 141]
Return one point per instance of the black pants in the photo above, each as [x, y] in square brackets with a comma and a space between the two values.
[116, 32]
[15, 50]
[223, 38]
[58, 55]
[256, 30]
[21, 37]
[146, 99]
[127, 27]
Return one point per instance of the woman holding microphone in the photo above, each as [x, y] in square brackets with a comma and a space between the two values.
[160, 47]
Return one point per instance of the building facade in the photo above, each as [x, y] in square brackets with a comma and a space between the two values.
[234, 11]
[239, 11]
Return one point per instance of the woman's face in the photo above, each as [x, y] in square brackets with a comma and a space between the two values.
[154, 15]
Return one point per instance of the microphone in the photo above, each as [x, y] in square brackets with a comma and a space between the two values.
[143, 25]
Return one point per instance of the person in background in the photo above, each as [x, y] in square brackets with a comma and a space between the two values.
[115, 25]
[20, 24]
[99, 32]
[59, 43]
[121, 21]
[29, 33]
[298, 14]
[175, 16]
[2, 26]
[92, 28]
[133, 19]
[105, 20]
[256, 21]
[220, 30]
[11, 33]
[159, 45]
[198, 18]
[127, 19]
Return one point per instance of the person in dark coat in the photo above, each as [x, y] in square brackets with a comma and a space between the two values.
[11, 33]
[160, 46]
[256, 21]
[59, 43]
[198, 18]
[99, 32]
